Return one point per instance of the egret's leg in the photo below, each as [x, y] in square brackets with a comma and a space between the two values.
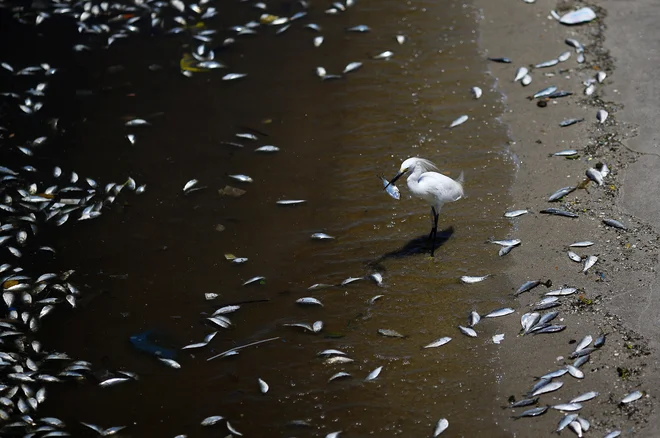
[432, 222]
[434, 230]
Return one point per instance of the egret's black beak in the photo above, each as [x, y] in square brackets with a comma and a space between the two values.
[398, 175]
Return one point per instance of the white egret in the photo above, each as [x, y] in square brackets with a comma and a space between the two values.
[427, 183]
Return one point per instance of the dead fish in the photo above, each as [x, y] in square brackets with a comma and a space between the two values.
[190, 184]
[584, 397]
[602, 116]
[559, 94]
[508, 242]
[458, 121]
[309, 301]
[581, 353]
[501, 60]
[595, 176]
[439, 342]
[564, 56]
[476, 92]
[469, 280]
[350, 280]
[575, 43]
[352, 67]
[233, 76]
[545, 64]
[526, 80]
[614, 223]
[331, 352]
[600, 340]
[131, 138]
[582, 15]
[137, 122]
[565, 153]
[576, 427]
[259, 279]
[390, 333]
[247, 136]
[210, 421]
[527, 286]
[554, 374]
[400, 39]
[375, 298]
[545, 92]
[374, 374]
[589, 262]
[384, 55]
[339, 375]
[529, 320]
[290, 201]
[549, 329]
[569, 122]
[613, 434]
[590, 90]
[633, 396]
[520, 73]
[603, 169]
[573, 256]
[318, 41]
[582, 244]
[558, 212]
[338, 360]
[564, 422]
[505, 250]
[556, 196]
[263, 386]
[468, 331]
[550, 387]
[474, 318]
[267, 148]
[575, 372]
[600, 76]
[515, 213]
[321, 236]
[113, 381]
[523, 403]
[568, 407]
[359, 28]
[535, 412]
[440, 427]
[377, 277]
[500, 312]
[241, 178]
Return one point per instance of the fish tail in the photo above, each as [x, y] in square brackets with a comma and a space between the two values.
[461, 178]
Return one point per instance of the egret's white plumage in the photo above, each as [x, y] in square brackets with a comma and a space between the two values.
[425, 182]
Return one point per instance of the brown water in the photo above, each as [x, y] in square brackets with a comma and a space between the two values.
[148, 262]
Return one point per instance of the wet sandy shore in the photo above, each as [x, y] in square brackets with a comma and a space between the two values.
[617, 296]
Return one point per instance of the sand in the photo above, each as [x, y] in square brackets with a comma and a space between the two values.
[616, 296]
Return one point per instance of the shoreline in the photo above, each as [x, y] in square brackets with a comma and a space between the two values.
[609, 298]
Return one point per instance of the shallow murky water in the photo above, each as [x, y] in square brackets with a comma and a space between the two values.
[149, 262]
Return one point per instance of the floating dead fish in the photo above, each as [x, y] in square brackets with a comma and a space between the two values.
[400, 39]
[247, 136]
[309, 301]
[501, 60]
[197, 345]
[469, 280]
[339, 375]
[338, 360]
[468, 331]
[535, 412]
[190, 184]
[439, 342]
[377, 277]
[321, 236]
[440, 427]
[515, 213]
[359, 28]
[520, 73]
[545, 92]
[556, 196]
[614, 223]
[565, 153]
[473, 319]
[526, 80]
[352, 67]
[589, 262]
[233, 76]
[137, 122]
[170, 363]
[602, 116]
[564, 56]
[459, 121]
[569, 122]
[320, 286]
[291, 201]
[582, 15]
[210, 421]
[500, 312]
[131, 138]
[391, 189]
[384, 55]
[558, 212]
[374, 374]
[549, 63]
[113, 381]
[254, 280]
[390, 333]
[476, 92]
[267, 148]
[263, 386]
[350, 280]
[318, 41]
[633, 396]
[576, 258]
[584, 397]
[582, 244]
[331, 352]
[241, 178]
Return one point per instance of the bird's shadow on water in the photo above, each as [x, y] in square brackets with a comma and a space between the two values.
[418, 245]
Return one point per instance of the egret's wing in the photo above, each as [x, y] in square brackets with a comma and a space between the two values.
[440, 188]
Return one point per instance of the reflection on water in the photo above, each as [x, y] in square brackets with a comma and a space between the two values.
[149, 263]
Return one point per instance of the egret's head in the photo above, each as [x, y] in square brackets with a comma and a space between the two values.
[410, 164]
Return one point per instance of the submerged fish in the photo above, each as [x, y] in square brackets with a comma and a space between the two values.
[459, 121]
[515, 213]
[469, 280]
